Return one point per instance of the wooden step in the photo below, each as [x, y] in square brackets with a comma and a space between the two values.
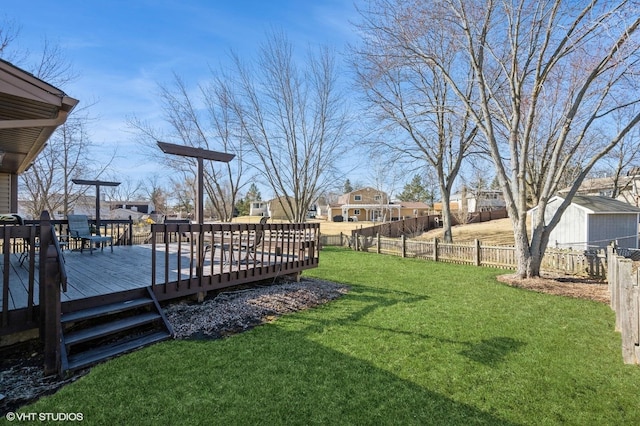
[109, 328]
[112, 308]
[102, 353]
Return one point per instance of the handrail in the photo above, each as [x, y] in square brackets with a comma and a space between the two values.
[61, 267]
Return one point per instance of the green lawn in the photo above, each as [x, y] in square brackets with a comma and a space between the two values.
[413, 342]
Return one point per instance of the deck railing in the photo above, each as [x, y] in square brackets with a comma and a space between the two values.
[18, 246]
[120, 229]
[214, 256]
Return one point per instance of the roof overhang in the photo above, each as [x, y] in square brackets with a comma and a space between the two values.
[30, 111]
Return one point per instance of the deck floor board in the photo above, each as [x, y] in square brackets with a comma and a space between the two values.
[127, 268]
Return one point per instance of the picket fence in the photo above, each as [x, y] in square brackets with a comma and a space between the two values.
[591, 263]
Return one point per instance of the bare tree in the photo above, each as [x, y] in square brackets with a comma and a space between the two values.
[524, 54]
[66, 155]
[294, 121]
[184, 191]
[421, 119]
[48, 182]
[128, 190]
[201, 120]
[156, 193]
[622, 164]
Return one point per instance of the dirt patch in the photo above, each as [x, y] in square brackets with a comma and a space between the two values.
[577, 287]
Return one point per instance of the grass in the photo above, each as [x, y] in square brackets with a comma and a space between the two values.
[413, 342]
[497, 232]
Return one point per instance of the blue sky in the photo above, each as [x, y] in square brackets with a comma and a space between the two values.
[123, 49]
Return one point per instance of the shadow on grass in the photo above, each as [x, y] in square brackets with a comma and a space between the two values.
[490, 352]
[275, 374]
[269, 376]
[493, 351]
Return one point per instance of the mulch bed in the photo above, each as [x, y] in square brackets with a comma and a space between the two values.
[560, 285]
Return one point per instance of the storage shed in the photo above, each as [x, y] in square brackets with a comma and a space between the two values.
[592, 222]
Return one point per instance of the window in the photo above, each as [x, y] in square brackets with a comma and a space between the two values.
[356, 211]
[377, 197]
[357, 197]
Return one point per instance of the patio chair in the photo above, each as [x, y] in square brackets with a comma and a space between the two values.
[250, 246]
[79, 230]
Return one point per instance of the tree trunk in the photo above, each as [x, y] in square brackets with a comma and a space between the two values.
[446, 218]
[529, 254]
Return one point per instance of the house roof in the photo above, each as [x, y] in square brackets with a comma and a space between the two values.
[30, 111]
[601, 184]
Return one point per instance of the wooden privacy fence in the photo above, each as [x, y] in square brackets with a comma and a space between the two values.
[563, 261]
[624, 287]
[417, 225]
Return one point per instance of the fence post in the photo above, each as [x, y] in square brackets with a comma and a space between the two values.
[477, 252]
[404, 246]
[435, 249]
[378, 242]
[610, 273]
[627, 313]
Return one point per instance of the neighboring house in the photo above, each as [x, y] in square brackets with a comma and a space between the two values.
[593, 222]
[125, 214]
[259, 208]
[369, 204]
[141, 206]
[628, 187]
[30, 111]
[477, 201]
[279, 208]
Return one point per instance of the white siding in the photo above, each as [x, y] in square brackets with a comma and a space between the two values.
[571, 231]
[605, 228]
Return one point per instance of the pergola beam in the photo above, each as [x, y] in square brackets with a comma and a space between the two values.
[97, 184]
[199, 154]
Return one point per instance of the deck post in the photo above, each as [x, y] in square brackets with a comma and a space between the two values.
[50, 298]
[130, 231]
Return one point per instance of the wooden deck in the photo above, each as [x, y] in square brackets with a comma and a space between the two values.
[127, 268]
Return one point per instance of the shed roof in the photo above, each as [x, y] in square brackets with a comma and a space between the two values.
[603, 205]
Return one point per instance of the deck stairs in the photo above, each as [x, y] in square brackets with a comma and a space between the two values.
[95, 334]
